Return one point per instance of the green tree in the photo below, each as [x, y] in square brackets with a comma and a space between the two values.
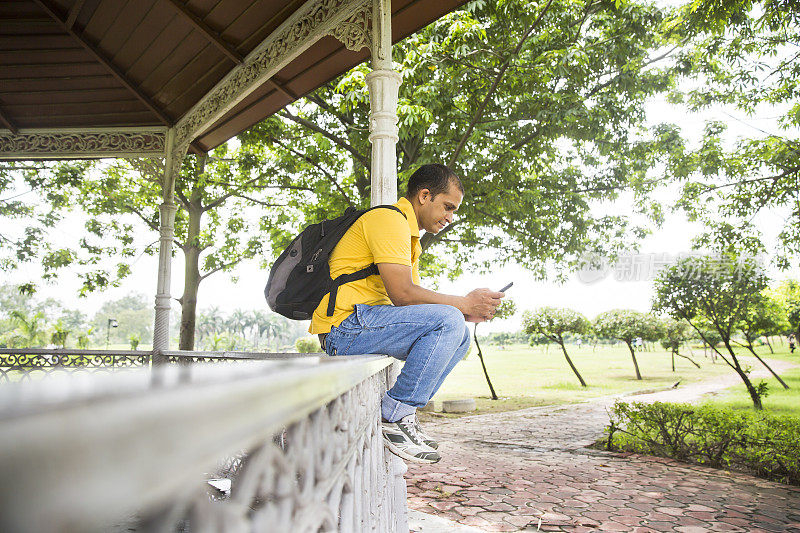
[742, 54]
[762, 315]
[541, 98]
[625, 325]
[307, 345]
[787, 294]
[223, 215]
[767, 317]
[674, 334]
[25, 223]
[654, 330]
[719, 291]
[60, 334]
[30, 329]
[134, 316]
[553, 323]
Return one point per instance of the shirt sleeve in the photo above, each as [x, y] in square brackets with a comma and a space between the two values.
[388, 237]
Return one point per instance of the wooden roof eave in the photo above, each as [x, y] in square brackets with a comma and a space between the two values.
[311, 22]
[314, 20]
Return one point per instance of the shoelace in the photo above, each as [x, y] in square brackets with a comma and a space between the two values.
[410, 427]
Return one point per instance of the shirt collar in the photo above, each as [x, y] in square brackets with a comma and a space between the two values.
[408, 210]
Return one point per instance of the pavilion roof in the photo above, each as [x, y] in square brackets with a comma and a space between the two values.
[77, 64]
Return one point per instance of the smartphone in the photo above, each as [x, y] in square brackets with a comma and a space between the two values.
[504, 289]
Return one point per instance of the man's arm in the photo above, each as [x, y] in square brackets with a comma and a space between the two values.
[477, 306]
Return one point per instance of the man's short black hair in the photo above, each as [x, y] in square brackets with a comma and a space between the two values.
[434, 177]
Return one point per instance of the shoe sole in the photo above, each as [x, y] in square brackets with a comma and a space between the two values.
[407, 456]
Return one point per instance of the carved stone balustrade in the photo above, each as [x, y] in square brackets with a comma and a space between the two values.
[272, 445]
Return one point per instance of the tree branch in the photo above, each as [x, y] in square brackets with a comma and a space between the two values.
[262, 176]
[181, 197]
[429, 238]
[611, 80]
[784, 174]
[217, 269]
[219, 201]
[340, 142]
[345, 119]
[321, 169]
[138, 213]
[259, 202]
[479, 114]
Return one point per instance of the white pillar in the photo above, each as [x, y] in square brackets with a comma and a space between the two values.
[172, 164]
[384, 86]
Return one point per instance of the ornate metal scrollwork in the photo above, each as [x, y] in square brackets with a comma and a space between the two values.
[314, 20]
[356, 32]
[19, 364]
[88, 143]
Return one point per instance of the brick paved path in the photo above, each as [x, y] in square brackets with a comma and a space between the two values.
[530, 469]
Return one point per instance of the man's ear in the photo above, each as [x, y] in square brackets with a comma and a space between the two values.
[424, 195]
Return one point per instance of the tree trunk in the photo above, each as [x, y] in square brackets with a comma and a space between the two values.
[769, 344]
[673, 360]
[480, 356]
[686, 357]
[751, 390]
[747, 383]
[191, 279]
[583, 383]
[635, 363]
[785, 386]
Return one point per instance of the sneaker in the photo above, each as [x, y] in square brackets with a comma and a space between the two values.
[426, 439]
[402, 440]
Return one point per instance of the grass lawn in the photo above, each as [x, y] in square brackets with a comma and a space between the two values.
[527, 376]
[778, 400]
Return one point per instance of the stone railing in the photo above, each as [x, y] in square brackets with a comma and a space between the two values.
[278, 445]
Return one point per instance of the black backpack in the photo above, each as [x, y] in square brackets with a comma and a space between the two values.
[301, 276]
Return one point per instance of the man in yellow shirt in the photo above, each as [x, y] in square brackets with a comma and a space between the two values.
[392, 314]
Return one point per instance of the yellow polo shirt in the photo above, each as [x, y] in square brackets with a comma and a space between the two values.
[379, 236]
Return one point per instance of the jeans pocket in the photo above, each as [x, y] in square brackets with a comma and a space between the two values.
[368, 316]
[339, 340]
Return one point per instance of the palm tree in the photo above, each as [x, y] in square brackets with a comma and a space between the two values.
[31, 329]
[238, 322]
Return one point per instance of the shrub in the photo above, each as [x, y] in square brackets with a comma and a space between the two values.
[755, 442]
[307, 345]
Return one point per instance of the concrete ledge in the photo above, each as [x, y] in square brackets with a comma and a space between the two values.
[459, 406]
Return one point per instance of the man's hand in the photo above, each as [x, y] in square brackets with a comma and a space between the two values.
[477, 306]
[481, 305]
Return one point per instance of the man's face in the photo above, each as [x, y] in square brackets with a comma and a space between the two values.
[436, 212]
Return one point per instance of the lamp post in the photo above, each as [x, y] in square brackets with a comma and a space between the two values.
[112, 323]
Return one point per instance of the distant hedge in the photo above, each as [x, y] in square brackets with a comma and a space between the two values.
[754, 442]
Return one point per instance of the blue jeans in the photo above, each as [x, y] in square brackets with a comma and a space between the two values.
[430, 338]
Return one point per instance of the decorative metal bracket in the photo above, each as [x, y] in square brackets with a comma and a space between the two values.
[356, 32]
[83, 143]
[312, 21]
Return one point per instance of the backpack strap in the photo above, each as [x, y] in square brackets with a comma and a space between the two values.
[371, 270]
